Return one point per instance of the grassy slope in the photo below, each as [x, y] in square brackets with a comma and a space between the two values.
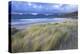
[43, 36]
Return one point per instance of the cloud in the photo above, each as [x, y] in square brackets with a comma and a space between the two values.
[34, 13]
[29, 7]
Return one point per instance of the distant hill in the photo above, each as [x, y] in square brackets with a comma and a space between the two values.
[71, 15]
[23, 16]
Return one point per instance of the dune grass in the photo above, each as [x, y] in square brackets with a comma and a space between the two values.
[42, 37]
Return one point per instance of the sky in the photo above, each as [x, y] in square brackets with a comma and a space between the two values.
[52, 1]
[42, 8]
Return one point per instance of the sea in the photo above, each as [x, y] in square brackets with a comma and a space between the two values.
[22, 21]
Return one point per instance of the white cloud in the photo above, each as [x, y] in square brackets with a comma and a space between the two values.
[29, 4]
[34, 6]
[56, 6]
[34, 13]
[40, 6]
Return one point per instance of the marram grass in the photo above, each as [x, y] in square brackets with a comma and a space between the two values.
[42, 37]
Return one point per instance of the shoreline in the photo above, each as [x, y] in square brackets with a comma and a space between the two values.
[25, 25]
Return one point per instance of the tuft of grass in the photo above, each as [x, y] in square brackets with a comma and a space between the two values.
[42, 36]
